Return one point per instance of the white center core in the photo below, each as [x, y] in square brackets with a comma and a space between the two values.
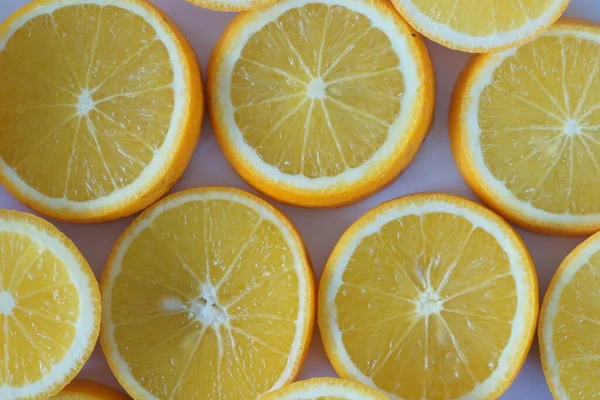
[7, 303]
[316, 89]
[85, 103]
[572, 127]
[205, 309]
[429, 303]
[207, 313]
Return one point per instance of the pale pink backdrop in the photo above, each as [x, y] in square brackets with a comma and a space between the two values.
[432, 170]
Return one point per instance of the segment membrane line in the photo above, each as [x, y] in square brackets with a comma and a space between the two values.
[346, 51]
[277, 70]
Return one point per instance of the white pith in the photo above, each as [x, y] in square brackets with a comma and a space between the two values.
[199, 309]
[226, 4]
[559, 282]
[515, 346]
[7, 303]
[306, 391]
[443, 32]
[474, 152]
[85, 325]
[125, 194]
[399, 37]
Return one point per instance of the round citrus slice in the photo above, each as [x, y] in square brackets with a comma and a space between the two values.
[570, 325]
[207, 295]
[49, 308]
[525, 130]
[325, 388]
[480, 26]
[88, 390]
[230, 5]
[100, 106]
[429, 296]
[320, 103]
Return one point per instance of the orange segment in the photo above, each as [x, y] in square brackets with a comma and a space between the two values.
[207, 295]
[429, 296]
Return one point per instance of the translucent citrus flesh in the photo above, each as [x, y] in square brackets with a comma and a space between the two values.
[75, 396]
[39, 307]
[483, 18]
[295, 397]
[82, 396]
[576, 332]
[426, 306]
[206, 303]
[89, 390]
[540, 121]
[86, 94]
[319, 398]
[316, 90]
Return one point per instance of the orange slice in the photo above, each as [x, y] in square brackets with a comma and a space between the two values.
[49, 308]
[320, 103]
[207, 295]
[570, 325]
[525, 130]
[325, 388]
[230, 5]
[480, 26]
[429, 297]
[88, 390]
[100, 106]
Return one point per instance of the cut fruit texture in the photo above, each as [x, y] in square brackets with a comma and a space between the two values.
[87, 390]
[325, 389]
[230, 5]
[429, 296]
[480, 26]
[101, 105]
[208, 294]
[320, 103]
[525, 130]
[570, 325]
[49, 308]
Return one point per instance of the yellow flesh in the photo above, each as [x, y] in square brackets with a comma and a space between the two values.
[576, 333]
[206, 303]
[483, 17]
[74, 396]
[53, 71]
[295, 396]
[540, 121]
[39, 307]
[86, 396]
[426, 306]
[316, 90]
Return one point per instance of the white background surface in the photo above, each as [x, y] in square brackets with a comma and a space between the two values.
[432, 170]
